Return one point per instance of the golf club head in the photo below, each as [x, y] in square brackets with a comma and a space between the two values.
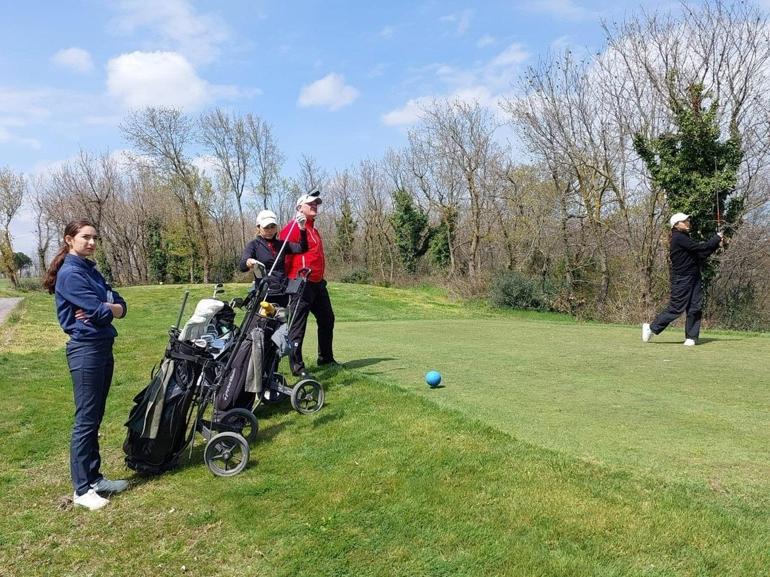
[260, 270]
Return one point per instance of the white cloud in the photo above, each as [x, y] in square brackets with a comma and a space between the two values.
[207, 164]
[485, 40]
[21, 108]
[142, 79]
[386, 32]
[564, 44]
[514, 55]
[407, 114]
[75, 59]
[177, 26]
[565, 9]
[377, 71]
[329, 92]
[486, 83]
[461, 20]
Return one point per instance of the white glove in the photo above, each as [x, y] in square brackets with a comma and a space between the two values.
[301, 220]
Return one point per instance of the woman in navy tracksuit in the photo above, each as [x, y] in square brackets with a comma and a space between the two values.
[86, 305]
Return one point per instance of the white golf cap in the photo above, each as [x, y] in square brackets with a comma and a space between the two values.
[678, 217]
[266, 217]
[309, 198]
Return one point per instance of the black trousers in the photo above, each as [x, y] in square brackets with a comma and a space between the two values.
[686, 297]
[315, 299]
[91, 365]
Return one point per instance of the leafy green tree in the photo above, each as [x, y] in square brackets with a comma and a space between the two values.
[21, 260]
[440, 246]
[157, 250]
[346, 229]
[104, 263]
[693, 165]
[410, 224]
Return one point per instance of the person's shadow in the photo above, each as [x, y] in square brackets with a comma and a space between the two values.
[360, 363]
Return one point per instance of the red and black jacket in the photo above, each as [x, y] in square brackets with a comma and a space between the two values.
[313, 258]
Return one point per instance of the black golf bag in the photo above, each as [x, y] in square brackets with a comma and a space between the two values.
[157, 423]
[242, 380]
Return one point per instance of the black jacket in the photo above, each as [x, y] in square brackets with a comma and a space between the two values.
[266, 251]
[687, 256]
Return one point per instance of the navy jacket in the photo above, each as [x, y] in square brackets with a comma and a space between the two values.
[266, 251]
[687, 256]
[80, 286]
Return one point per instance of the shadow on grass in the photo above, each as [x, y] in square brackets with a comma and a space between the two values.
[705, 340]
[327, 417]
[701, 341]
[359, 363]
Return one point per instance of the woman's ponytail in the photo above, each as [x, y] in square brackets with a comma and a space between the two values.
[49, 283]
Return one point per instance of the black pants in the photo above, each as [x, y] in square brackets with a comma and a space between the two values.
[686, 297]
[91, 365]
[315, 299]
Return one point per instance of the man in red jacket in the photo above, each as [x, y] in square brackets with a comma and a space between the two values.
[315, 298]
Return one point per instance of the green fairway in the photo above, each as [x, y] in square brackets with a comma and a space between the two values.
[553, 448]
[593, 391]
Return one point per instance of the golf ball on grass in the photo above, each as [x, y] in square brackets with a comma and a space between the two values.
[433, 378]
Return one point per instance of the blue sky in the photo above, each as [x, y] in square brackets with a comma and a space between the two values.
[339, 81]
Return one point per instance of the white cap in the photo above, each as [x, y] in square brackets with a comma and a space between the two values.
[266, 217]
[313, 196]
[678, 217]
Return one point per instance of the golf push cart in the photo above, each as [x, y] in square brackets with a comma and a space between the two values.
[213, 376]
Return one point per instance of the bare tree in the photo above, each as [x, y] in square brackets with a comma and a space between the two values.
[13, 187]
[651, 61]
[163, 134]
[86, 185]
[44, 225]
[463, 134]
[267, 158]
[229, 139]
[311, 175]
[375, 219]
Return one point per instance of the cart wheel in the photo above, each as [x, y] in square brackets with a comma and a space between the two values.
[307, 396]
[243, 420]
[226, 454]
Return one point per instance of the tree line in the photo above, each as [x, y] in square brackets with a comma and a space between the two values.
[555, 198]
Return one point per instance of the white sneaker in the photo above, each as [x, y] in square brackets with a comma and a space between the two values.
[91, 500]
[646, 332]
[106, 486]
[689, 342]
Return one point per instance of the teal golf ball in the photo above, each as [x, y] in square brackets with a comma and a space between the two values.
[433, 378]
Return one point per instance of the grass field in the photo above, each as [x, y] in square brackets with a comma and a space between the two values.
[553, 448]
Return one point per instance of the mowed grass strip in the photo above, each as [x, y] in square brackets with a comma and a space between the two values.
[380, 482]
[695, 414]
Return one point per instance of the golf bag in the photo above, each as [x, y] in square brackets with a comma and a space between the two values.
[157, 423]
[242, 380]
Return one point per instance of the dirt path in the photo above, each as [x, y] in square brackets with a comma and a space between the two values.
[6, 306]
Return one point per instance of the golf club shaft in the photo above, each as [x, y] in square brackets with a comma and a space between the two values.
[181, 309]
[283, 246]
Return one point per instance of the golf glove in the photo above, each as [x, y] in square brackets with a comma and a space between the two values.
[301, 220]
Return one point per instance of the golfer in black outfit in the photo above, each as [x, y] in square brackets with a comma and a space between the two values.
[687, 258]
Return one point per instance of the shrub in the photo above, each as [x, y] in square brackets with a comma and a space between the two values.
[223, 269]
[30, 284]
[514, 290]
[357, 276]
